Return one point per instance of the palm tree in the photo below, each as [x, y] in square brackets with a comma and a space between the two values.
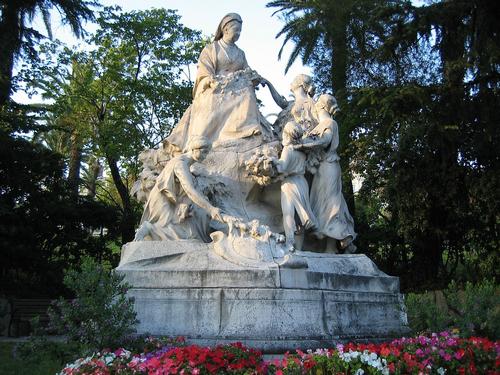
[312, 24]
[332, 26]
[16, 35]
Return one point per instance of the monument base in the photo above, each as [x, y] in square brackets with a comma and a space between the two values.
[183, 288]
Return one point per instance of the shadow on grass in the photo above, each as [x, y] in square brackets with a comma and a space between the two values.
[16, 366]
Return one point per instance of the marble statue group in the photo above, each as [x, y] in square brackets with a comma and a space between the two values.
[245, 234]
[298, 154]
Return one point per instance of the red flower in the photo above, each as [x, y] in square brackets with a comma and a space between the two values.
[385, 351]
[459, 354]
[153, 363]
[309, 364]
[395, 351]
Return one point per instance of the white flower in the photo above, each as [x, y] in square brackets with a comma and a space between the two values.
[345, 357]
[441, 371]
[322, 352]
[109, 358]
[365, 357]
[359, 372]
[354, 354]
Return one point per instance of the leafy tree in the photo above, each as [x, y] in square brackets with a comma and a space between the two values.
[421, 84]
[422, 140]
[124, 95]
[16, 35]
[42, 230]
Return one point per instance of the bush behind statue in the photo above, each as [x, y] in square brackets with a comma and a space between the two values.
[100, 315]
[473, 309]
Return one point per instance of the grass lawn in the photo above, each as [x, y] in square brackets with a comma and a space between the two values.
[13, 366]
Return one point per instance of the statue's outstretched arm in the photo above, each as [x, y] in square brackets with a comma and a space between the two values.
[279, 99]
[186, 180]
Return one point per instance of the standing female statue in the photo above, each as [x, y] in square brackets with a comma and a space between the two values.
[301, 109]
[224, 105]
[327, 202]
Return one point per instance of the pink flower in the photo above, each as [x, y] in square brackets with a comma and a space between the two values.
[133, 362]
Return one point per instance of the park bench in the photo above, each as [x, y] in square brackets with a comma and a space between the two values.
[21, 313]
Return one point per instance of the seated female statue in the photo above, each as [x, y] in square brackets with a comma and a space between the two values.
[224, 106]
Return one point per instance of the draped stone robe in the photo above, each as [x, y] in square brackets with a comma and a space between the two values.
[225, 112]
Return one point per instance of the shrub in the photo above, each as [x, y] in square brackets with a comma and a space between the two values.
[425, 314]
[101, 315]
[474, 310]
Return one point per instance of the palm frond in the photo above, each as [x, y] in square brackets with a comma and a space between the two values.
[46, 20]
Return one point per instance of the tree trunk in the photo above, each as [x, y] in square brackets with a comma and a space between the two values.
[427, 259]
[128, 221]
[75, 162]
[9, 46]
[94, 174]
[339, 88]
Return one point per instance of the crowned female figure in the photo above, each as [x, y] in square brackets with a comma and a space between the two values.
[224, 107]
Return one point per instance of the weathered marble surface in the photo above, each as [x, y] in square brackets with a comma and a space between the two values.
[184, 288]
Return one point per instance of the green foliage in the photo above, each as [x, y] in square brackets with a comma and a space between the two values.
[101, 315]
[42, 229]
[425, 314]
[474, 310]
[418, 88]
[16, 36]
[121, 97]
[41, 348]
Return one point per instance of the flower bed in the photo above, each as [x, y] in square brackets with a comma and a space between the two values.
[434, 354]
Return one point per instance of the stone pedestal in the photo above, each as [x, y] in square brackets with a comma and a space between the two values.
[184, 288]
